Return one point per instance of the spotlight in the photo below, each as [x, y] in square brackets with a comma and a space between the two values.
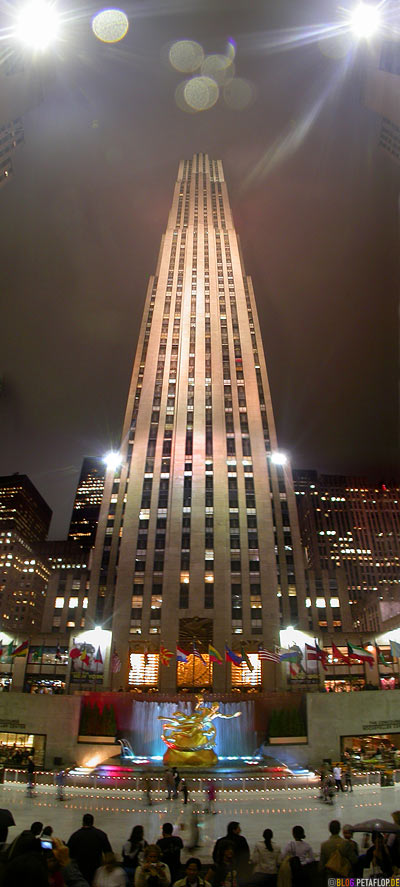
[112, 460]
[278, 458]
[38, 24]
[365, 20]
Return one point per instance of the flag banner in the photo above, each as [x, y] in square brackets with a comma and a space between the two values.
[246, 659]
[10, 649]
[87, 663]
[22, 650]
[230, 656]
[380, 657]
[337, 654]
[181, 656]
[198, 655]
[1, 649]
[315, 654]
[74, 653]
[293, 669]
[267, 655]
[215, 655]
[360, 654]
[116, 663]
[37, 654]
[288, 656]
[84, 657]
[395, 648]
[98, 657]
[165, 655]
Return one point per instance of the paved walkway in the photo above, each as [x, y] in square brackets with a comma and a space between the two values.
[116, 811]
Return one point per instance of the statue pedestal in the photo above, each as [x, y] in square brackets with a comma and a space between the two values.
[201, 757]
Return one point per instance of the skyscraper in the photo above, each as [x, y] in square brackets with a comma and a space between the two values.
[198, 540]
[86, 507]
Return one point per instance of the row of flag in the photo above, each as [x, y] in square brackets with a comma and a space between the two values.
[83, 656]
[354, 653]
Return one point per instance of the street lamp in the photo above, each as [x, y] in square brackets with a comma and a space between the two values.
[38, 24]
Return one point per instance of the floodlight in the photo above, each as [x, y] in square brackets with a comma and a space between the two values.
[365, 20]
[278, 458]
[38, 24]
[112, 460]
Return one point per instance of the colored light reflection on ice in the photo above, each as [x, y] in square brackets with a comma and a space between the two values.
[186, 56]
[110, 25]
[201, 93]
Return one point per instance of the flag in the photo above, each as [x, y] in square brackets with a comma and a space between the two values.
[84, 658]
[165, 655]
[98, 657]
[74, 653]
[315, 654]
[338, 655]
[395, 649]
[1, 648]
[22, 649]
[181, 656]
[115, 663]
[10, 648]
[265, 654]
[246, 659]
[197, 654]
[288, 656]
[293, 670]
[379, 655]
[360, 653]
[230, 656]
[37, 654]
[214, 655]
[145, 657]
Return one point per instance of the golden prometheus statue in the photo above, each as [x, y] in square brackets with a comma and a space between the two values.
[190, 738]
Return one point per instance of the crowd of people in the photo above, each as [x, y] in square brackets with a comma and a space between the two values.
[36, 858]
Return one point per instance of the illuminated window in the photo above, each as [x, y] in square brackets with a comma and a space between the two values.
[320, 602]
[85, 603]
[335, 602]
[59, 603]
[73, 602]
[242, 676]
[144, 669]
[194, 672]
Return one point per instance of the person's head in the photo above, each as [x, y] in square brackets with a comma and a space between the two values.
[47, 831]
[88, 820]
[136, 834]
[298, 832]
[36, 828]
[334, 827]
[167, 829]
[228, 853]
[233, 828]
[267, 835]
[347, 832]
[152, 854]
[377, 839]
[192, 869]
[110, 861]
[396, 817]
[27, 868]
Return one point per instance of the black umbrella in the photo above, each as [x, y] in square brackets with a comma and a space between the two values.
[376, 825]
[7, 819]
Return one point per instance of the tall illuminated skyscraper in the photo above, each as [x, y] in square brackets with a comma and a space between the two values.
[198, 539]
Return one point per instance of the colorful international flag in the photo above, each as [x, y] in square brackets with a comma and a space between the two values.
[74, 653]
[98, 657]
[267, 655]
[181, 656]
[360, 654]
[379, 655]
[395, 649]
[337, 654]
[10, 648]
[246, 659]
[214, 655]
[84, 657]
[165, 655]
[293, 670]
[289, 656]
[197, 654]
[230, 656]
[116, 663]
[315, 654]
[37, 654]
[22, 650]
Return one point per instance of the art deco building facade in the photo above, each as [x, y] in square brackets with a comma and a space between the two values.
[198, 538]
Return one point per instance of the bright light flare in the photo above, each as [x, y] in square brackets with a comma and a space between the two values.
[278, 458]
[110, 25]
[112, 460]
[365, 20]
[38, 24]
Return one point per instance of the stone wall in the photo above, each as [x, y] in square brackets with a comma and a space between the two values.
[55, 716]
[332, 715]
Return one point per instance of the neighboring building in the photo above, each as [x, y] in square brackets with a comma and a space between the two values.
[22, 509]
[382, 94]
[67, 588]
[86, 508]
[352, 524]
[23, 581]
[198, 535]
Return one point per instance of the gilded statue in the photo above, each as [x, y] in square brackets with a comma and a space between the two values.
[190, 737]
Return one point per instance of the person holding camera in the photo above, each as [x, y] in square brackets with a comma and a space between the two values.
[152, 872]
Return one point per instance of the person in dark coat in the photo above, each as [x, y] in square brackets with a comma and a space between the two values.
[87, 846]
[171, 846]
[241, 852]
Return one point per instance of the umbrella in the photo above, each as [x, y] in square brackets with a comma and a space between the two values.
[376, 825]
[6, 818]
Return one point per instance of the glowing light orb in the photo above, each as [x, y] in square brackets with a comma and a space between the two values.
[365, 20]
[238, 94]
[38, 24]
[201, 93]
[110, 25]
[219, 67]
[186, 56]
[278, 458]
[231, 49]
[180, 98]
[112, 460]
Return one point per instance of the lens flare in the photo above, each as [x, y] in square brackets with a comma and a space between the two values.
[186, 56]
[219, 67]
[238, 94]
[110, 25]
[201, 93]
[38, 24]
[365, 20]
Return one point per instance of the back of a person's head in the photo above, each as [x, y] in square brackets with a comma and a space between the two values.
[136, 834]
[267, 835]
[88, 819]
[27, 869]
[48, 830]
[36, 828]
[298, 832]
[110, 861]
[167, 828]
[334, 827]
[231, 827]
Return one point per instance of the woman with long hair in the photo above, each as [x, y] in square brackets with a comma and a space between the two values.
[132, 851]
[266, 858]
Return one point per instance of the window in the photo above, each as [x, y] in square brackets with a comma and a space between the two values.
[73, 602]
[59, 603]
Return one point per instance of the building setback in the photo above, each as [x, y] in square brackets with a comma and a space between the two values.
[198, 538]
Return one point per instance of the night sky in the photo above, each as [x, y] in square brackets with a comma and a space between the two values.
[315, 202]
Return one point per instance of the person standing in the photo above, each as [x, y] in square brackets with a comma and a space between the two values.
[152, 871]
[211, 791]
[86, 847]
[30, 769]
[225, 874]
[184, 790]
[60, 782]
[192, 875]
[169, 784]
[266, 858]
[337, 775]
[336, 844]
[111, 874]
[170, 846]
[241, 852]
[176, 777]
[348, 778]
[133, 849]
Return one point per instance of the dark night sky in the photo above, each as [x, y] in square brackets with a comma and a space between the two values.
[315, 202]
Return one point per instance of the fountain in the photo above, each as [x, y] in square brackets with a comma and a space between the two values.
[191, 737]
